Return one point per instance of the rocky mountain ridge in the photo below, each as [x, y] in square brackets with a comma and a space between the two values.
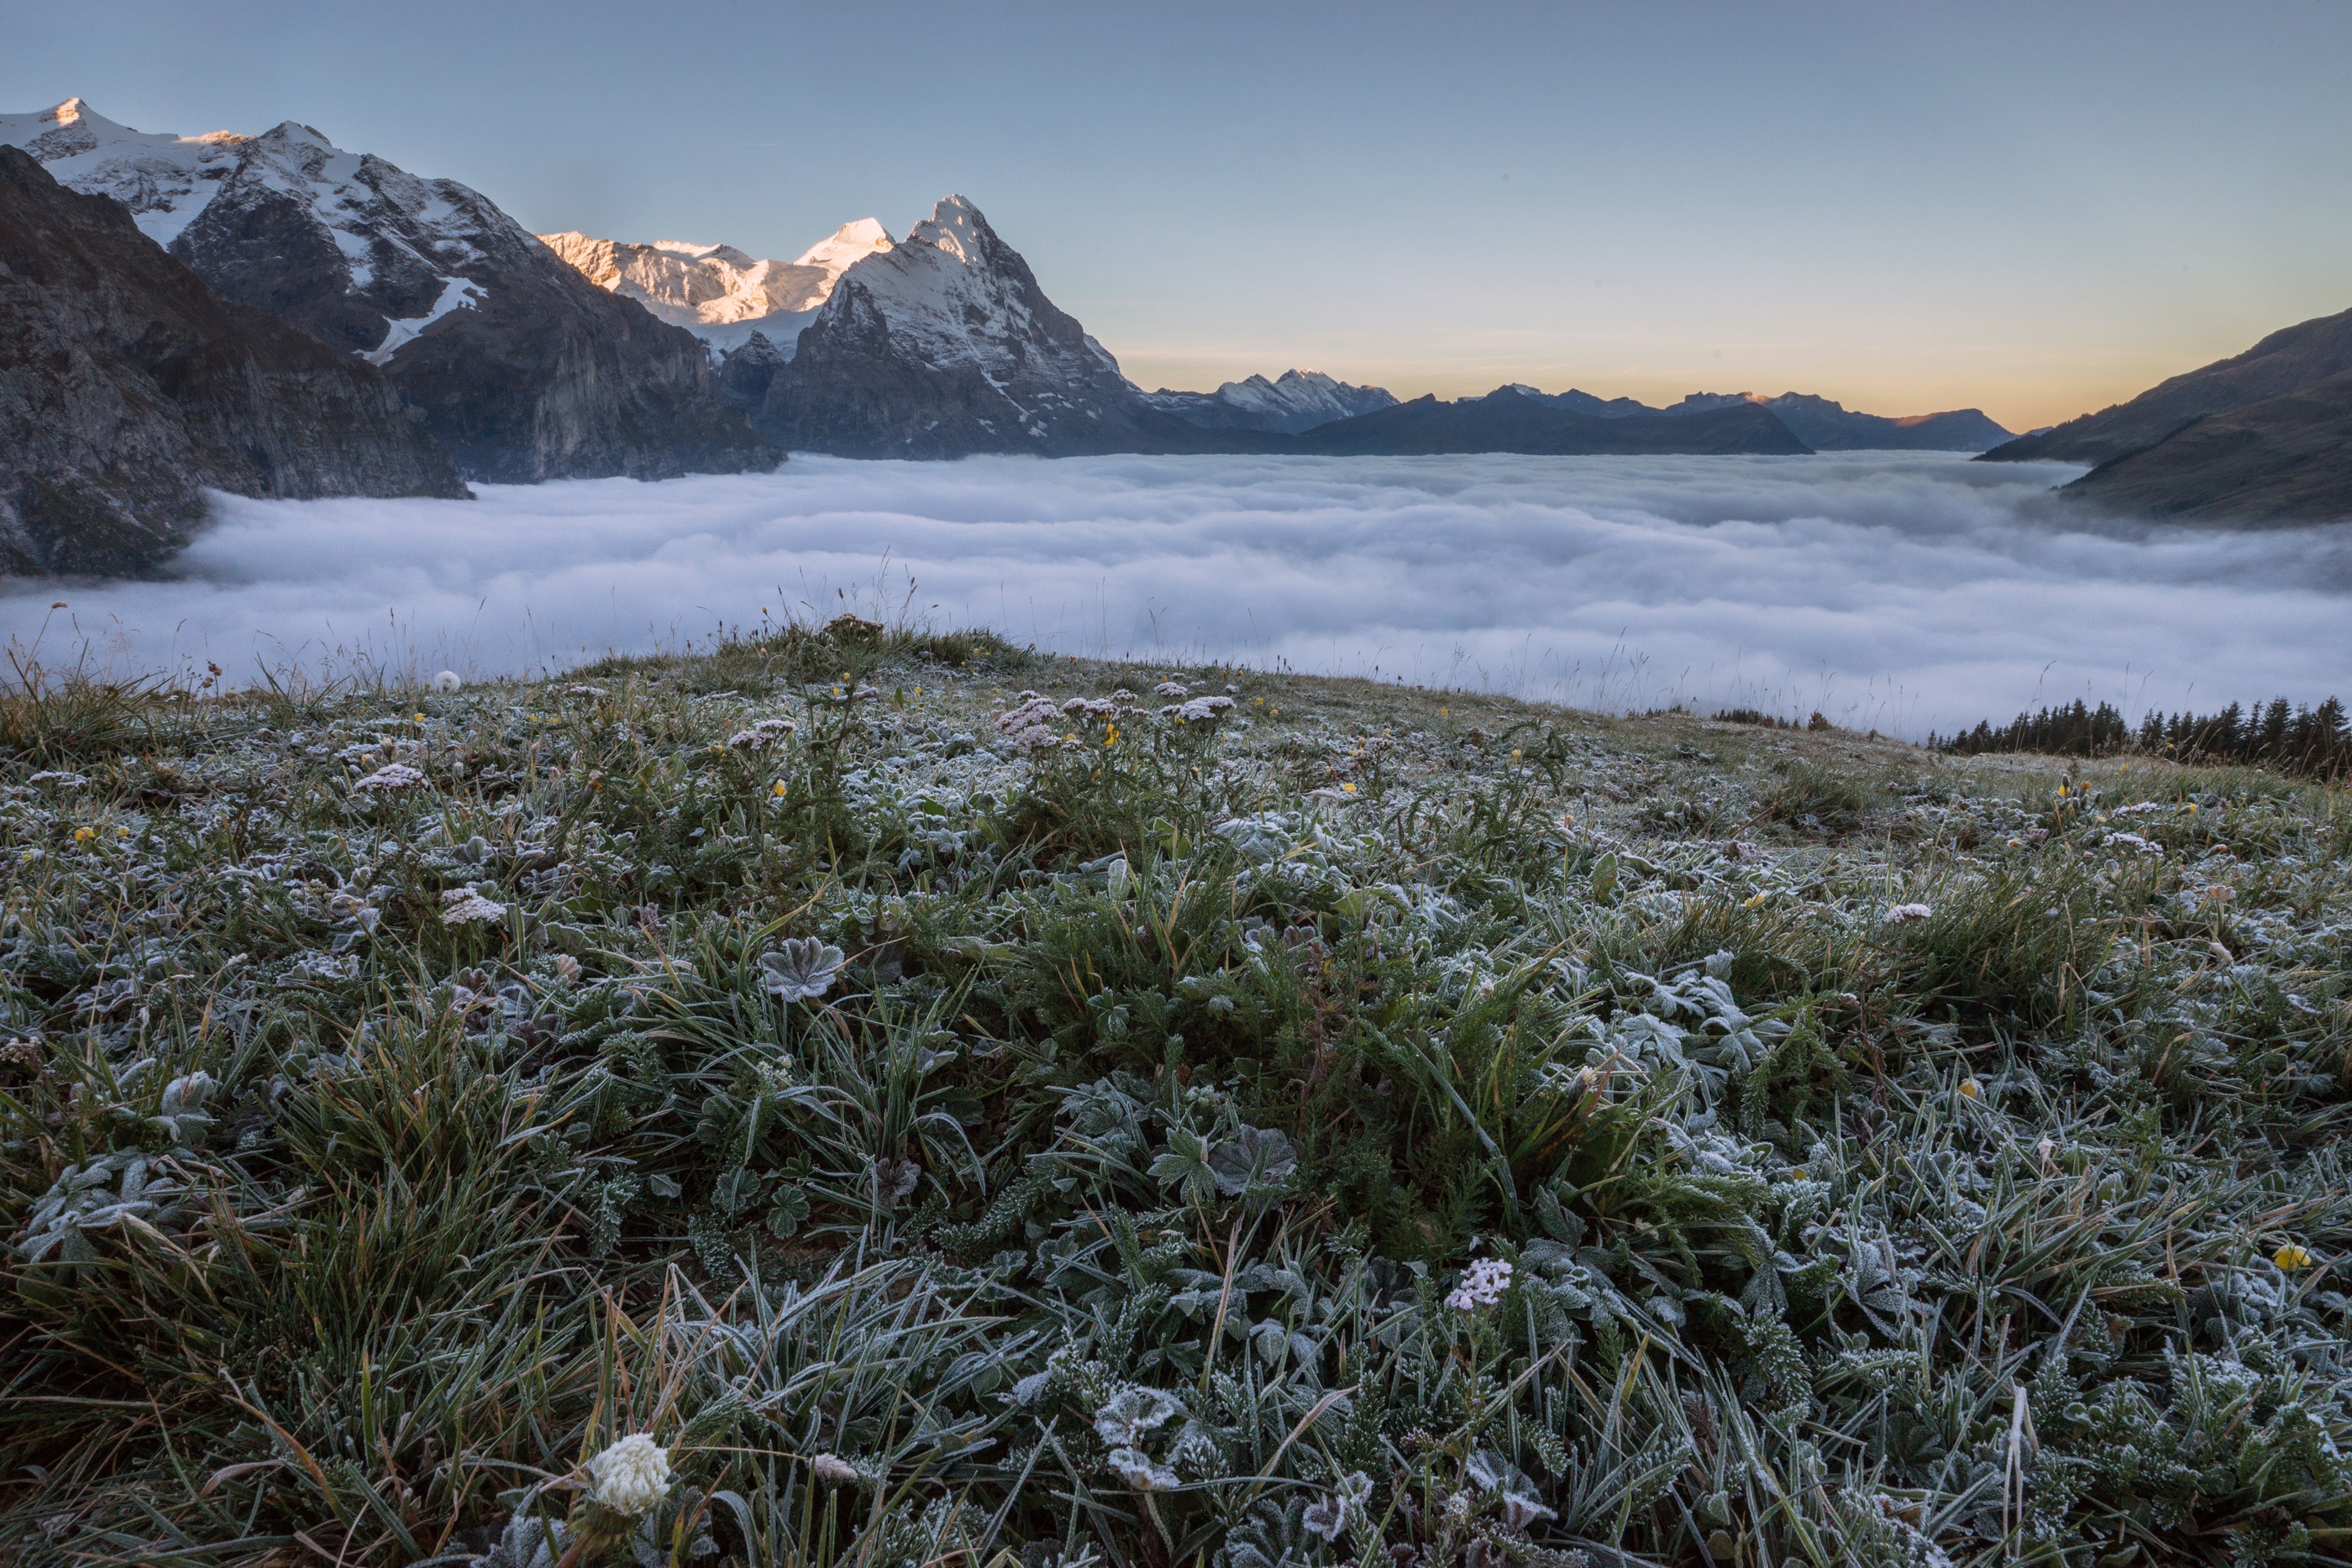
[942, 345]
[1509, 420]
[128, 387]
[518, 365]
[2260, 438]
[2285, 362]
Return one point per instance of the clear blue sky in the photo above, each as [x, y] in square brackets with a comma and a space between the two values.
[2037, 208]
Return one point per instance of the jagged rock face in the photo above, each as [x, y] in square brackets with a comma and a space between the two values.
[128, 386]
[944, 345]
[723, 295]
[516, 363]
[1294, 402]
[2288, 360]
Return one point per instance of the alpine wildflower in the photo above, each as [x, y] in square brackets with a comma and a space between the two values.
[448, 681]
[1904, 912]
[464, 906]
[393, 776]
[832, 1467]
[1483, 1284]
[1970, 1088]
[2289, 1257]
[631, 1476]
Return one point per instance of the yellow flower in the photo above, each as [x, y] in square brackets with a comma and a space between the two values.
[1350, 788]
[1796, 1173]
[121, 832]
[1515, 751]
[420, 718]
[2291, 1258]
[2192, 808]
[779, 787]
[1753, 901]
[83, 835]
[1970, 1088]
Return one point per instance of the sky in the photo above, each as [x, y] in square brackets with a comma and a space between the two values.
[2036, 210]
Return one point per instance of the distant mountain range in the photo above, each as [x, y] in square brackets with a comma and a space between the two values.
[1515, 419]
[504, 357]
[2264, 436]
[1294, 402]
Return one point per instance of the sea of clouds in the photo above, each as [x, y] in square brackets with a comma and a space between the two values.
[1903, 592]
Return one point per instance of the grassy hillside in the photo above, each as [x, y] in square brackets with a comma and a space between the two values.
[1347, 1126]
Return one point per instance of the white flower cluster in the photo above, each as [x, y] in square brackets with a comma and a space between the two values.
[396, 776]
[1198, 710]
[631, 1476]
[1906, 912]
[448, 681]
[2132, 841]
[464, 906]
[1483, 1284]
[761, 735]
[1176, 689]
[1032, 724]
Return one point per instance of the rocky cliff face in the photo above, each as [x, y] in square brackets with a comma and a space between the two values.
[945, 345]
[1295, 402]
[519, 366]
[128, 386]
[2286, 362]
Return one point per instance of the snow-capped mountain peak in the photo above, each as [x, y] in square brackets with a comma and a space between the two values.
[165, 181]
[507, 357]
[720, 293]
[846, 245]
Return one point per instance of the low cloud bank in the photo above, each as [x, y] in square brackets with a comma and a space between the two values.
[1902, 591]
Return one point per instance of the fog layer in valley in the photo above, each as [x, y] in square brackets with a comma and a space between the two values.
[1901, 591]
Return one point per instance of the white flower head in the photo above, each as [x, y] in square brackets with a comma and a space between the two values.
[396, 776]
[1905, 912]
[631, 1476]
[464, 906]
[1483, 1284]
[1199, 710]
[761, 735]
[832, 1467]
[448, 681]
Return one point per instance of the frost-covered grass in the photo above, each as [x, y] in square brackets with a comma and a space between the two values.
[1348, 1126]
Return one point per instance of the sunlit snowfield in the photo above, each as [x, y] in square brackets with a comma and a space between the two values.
[1894, 590]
